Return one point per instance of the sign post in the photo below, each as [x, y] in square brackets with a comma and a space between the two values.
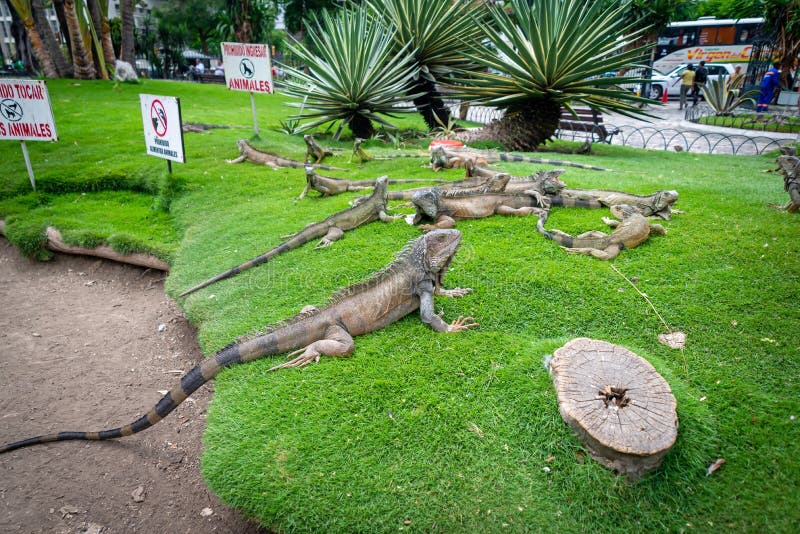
[26, 115]
[247, 68]
[163, 130]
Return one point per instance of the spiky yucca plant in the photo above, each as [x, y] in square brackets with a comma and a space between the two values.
[545, 54]
[436, 33]
[354, 74]
[722, 99]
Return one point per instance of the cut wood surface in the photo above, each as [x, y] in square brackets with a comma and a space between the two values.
[617, 403]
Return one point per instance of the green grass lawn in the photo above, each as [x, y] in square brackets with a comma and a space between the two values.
[420, 431]
[765, 122]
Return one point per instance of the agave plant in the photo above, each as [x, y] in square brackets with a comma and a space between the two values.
[546, 54]
[435, 32]
[722, 99]
[353, 76]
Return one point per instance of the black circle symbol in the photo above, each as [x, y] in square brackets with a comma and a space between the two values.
[11, 110]
[247, 68]
[159, 117]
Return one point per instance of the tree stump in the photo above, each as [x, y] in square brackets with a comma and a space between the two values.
[617, 403]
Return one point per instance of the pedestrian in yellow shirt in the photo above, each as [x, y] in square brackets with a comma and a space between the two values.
[687, 80]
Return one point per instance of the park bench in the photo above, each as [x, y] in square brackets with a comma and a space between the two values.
[589, 122]
[210, 77]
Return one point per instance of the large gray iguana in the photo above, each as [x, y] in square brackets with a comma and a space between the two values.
[408, 283]
[327, 231]
[539, 184]
[248, 153]
[443, 158]
[790, 168]
[328, 185]
[632, 230]
[444, 207]
[658, 204]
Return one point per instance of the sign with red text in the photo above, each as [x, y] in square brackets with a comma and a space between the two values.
[247, 67]
[25, 111]
[163, 131]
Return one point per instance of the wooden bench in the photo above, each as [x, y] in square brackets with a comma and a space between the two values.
[588, 122]
[210, 77]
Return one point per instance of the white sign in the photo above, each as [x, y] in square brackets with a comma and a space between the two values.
[247, 67]
[25, 111]
[163, 132]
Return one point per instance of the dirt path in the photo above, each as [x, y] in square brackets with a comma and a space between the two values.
[82, 347]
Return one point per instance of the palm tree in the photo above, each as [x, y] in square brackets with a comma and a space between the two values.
[353, 72]
[81, 58]
[23, 9]
[63, 67]
[99, 11]
[127, 50]
[437, 32]
[548, 54]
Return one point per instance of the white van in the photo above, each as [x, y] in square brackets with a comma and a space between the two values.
[671, 81]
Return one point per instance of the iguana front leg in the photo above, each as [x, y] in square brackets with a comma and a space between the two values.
[237, 160]
[519, 212]
[337, 342]
[442, 222]
[334, 233]
[452, 293]
[388, 218]
[608, 254]
[428, 316]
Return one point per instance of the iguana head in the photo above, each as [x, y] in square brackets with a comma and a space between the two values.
[309, 172]
[662, 202]
[309, 139]
[439, 158]
[240, 144]
[439, 248]
[425, 203]
[551, 183]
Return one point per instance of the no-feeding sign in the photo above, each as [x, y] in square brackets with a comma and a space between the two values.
[163, 131]
[25, 112]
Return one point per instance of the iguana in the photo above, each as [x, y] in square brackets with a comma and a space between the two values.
[327, 231]
[408, 283]
[633, 229]
[314, 152]
[442, 158]
[199, 127]
[327, 185]
[444, 207]
[362, 155]
[539, 184]
[659, 204]
[790, 168]
[270, 160]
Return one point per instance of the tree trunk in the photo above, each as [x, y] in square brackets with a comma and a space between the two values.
[63, 67]
[97, 12]
[84, 68]
[429, 103]
[23, 9]
[20, 38]
[361, 127]
[525, 130]
[127, 49]
[58, 7]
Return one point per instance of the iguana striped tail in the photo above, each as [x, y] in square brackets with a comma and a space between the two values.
[567, 202]
[505, 156]
[309, 233]
[189, 383]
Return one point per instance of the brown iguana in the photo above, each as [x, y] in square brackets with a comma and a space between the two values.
[539, 184]
[659, 204]
[200, 127]
[327, 231]
[633, 229]
[408, 283]
[327, 185]
[270, 160]
[444, 207]
[790, 168]
[362, 155]
[443, 158]
[314, 152]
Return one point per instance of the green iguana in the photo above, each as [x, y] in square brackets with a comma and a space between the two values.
[362, 155]
[408, 283]
[790, 168]
[327, 185]
[444, 207]
[327, 231]
[314, 152]
[659, 204]
[442, 158]
[270, 160]
[632, 230]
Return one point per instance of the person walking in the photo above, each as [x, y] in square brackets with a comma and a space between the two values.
[737, 79]
[770, 82]
[687, 83]
[700, 78]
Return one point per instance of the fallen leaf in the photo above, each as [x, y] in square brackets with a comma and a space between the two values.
[675, 340]
[138, 494]
[472, 427]
[550, 459]
[205, 512]
[734, 323]
[68, 511]
[716, 465]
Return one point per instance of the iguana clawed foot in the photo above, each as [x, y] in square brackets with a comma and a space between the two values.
[454, 293]
[461, 324]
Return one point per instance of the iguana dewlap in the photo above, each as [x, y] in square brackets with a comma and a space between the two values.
[407, 284]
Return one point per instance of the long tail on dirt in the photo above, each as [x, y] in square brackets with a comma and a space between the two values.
[315, 231]
[188, 384]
